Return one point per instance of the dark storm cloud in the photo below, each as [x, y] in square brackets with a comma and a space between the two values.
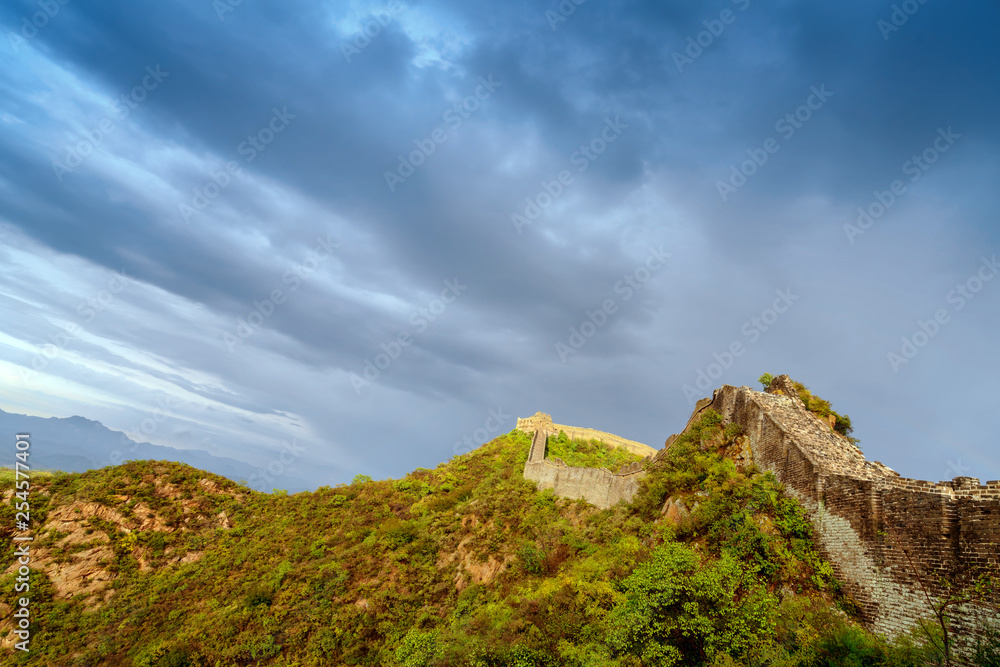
[559, 83]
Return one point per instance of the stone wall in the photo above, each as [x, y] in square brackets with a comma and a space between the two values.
[888, 538]
[883, 534]
[598, 486]
[543, 422]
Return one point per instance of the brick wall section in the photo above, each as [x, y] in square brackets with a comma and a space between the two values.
[598, 486]
[537, 452]
[866, 515]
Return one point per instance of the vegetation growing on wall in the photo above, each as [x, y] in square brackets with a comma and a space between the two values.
[588, 453]
[820, 407]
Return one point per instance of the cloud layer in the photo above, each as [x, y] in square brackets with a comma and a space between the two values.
[364, 226]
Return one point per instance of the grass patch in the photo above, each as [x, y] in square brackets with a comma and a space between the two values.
[588, 453]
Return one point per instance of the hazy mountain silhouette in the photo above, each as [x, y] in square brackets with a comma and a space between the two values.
[77, 444]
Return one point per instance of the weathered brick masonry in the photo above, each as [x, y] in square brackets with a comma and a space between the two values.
[598, 486]
[868, 517]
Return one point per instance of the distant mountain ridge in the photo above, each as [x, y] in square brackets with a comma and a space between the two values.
[78, 444]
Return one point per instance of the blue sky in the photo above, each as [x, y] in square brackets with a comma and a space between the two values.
[385, 230]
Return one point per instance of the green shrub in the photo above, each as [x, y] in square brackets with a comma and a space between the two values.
[418, 648]
[260, 596]
[986, 651]
[849, 646]
[822, 408]
[679, 609]
[532, 558]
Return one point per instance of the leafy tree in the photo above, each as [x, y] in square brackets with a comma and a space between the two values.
[679, 609]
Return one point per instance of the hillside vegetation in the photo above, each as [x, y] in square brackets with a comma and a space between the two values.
[466, 564]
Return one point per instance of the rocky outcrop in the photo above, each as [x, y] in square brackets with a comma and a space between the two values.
[76, 545]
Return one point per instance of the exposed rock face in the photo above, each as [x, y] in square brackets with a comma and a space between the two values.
[674, 511]
[782, 386]
[468, 568]
[79, 560]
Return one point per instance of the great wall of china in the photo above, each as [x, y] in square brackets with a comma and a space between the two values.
[889, 538]
[598, 486]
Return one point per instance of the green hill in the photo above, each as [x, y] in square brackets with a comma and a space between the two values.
[153, 563]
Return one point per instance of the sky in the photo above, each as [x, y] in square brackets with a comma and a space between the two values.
[375, 234]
